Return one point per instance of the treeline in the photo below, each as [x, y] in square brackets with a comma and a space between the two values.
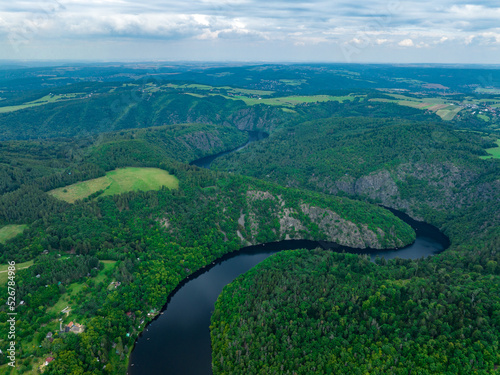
[303, 312]
[428, 169]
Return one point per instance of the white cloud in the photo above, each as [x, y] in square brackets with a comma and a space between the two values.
[372, 23]
[406, 43]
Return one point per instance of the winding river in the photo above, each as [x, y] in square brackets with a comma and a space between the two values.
[177, 342]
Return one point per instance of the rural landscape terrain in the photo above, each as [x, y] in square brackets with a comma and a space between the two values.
[105, 212]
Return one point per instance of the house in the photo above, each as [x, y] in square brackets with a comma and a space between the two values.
[48, 360]
[77, 328]
[74, 327]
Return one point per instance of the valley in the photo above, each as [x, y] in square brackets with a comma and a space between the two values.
[119, 184]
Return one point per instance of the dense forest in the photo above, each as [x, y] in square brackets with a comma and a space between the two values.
[319, 312]
[322, 174]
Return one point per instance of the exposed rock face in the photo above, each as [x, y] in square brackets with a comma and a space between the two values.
[255, 118]
[442, 182]
[291, 223]
[342, 231]
[201, 140]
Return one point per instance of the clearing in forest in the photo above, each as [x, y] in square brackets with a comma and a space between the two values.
[118, 181]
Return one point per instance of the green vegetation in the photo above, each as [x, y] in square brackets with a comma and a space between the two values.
[117, 182]
[10, 231]
[494, 152]
[292, 101]
[337, 145]
[187, 228]
[4, 269]
[483, 117]
[302, 312]
[442, 107]
[42, 101]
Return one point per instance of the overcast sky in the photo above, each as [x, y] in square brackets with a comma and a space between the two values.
[440, 31]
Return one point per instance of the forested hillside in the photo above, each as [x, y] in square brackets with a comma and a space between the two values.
[429, 170]
[317, 312]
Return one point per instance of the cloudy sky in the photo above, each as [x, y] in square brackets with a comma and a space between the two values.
[439, 31]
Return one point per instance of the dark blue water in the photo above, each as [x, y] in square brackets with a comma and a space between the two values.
[178, 341]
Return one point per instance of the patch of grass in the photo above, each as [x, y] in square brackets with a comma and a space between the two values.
[108, 265]
[4, 274]
[484, 117]
[494, 152]
[42, 101]
[441, 107]
[291, 101]
[10, 231]
[66, 299]
[118, 181]
[448, 113]
[292, 82]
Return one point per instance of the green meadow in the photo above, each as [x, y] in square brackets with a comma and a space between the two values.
[118, 181]
[441, 107]
[494, 152]
[4, 274]
[42, 101]
[10, 231]
[291, 101]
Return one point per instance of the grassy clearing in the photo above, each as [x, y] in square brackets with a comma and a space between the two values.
[484, 117]
[441, 107]
[4, 270]
[42, 101]
[118, 181]
[494, 152]
[293, 82]
[73, 289]
[10, 231]
[228, 89]
[108, 265]
[448, 113]
[291, 101]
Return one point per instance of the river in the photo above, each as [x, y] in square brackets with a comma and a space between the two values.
[177, 342]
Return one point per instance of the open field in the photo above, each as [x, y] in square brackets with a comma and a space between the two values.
[42, 101]
[10, 231]
[228, 89]
[4, 268]
[443, 108]
[449, 112]
[484, 117]
[291, 101]
[494, 152]
[117, 182]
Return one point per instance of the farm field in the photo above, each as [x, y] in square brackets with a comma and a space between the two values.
[117, 182]
[444, 109]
